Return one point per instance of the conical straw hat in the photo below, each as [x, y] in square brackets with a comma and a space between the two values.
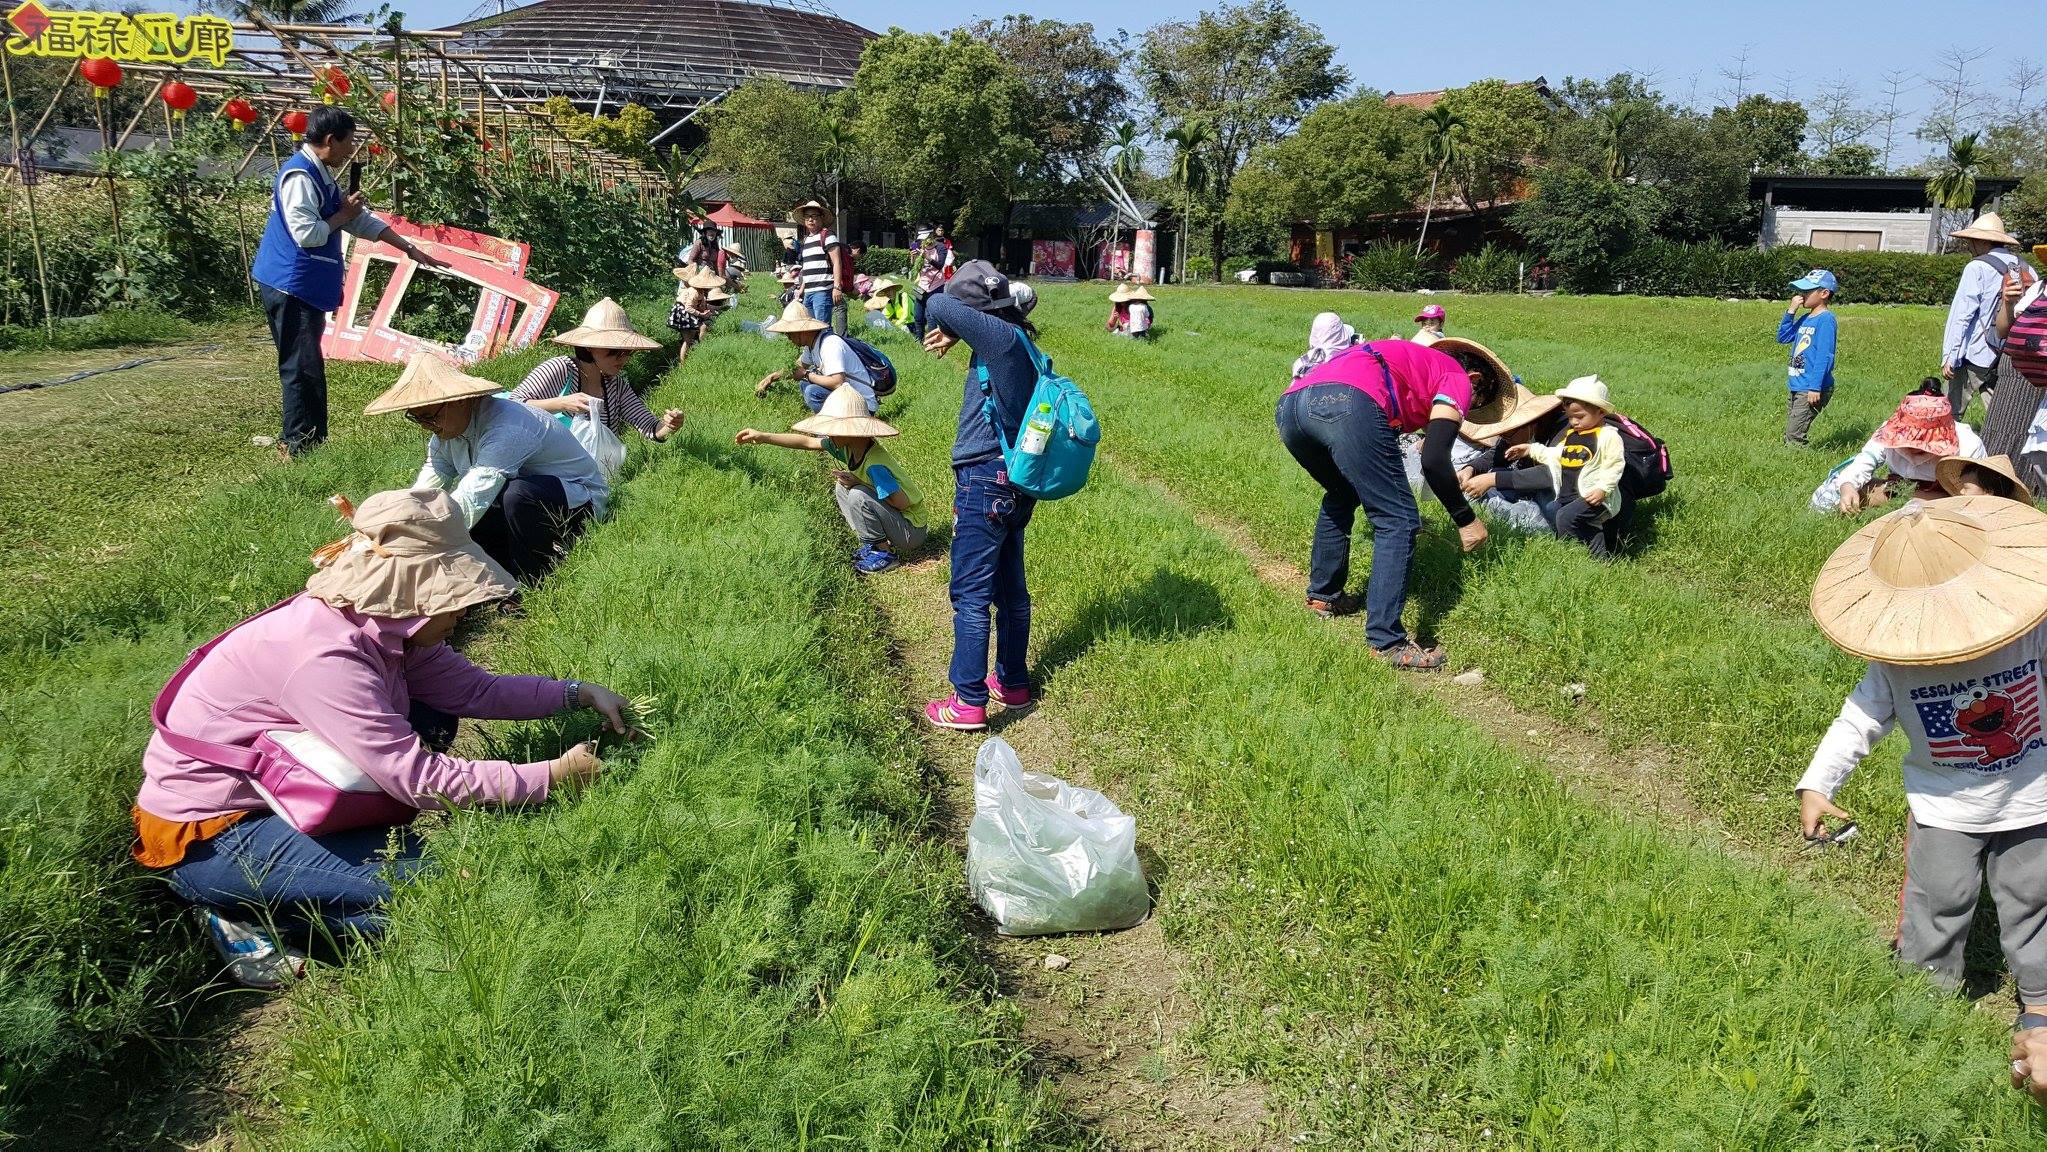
[718, 295]
[1936, 582]
[1949, 473]
[428, 380]
[1126, 292]
[606, 325]
[844, 414]
[795, 318]
[1485, 409]
[1989, 227]
[706, 279]
[1522, 407]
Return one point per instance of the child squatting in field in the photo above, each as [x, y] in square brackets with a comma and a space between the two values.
[1585, 466]
[1945, 600]
[1813, 338]
[880, 502]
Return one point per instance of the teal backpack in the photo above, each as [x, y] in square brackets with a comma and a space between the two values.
[1066, 432]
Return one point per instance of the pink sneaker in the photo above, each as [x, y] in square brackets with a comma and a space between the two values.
[950, 713]
[1009, 698]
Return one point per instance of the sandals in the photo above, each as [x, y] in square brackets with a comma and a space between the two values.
[1342, 604]
[1412, 657]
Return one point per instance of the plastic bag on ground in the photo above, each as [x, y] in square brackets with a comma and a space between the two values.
[1044, 856]
[599, 441]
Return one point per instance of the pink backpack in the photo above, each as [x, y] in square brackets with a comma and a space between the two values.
[2026, 346]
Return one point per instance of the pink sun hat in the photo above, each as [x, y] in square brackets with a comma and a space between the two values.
[1432, 312]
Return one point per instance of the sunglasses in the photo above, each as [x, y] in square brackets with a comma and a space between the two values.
[425, 417]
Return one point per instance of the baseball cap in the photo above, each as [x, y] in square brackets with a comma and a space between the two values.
[979, 286]
[1817, 278]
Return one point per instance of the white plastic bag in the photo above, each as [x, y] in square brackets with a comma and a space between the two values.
[1044, 856]
[598, 440]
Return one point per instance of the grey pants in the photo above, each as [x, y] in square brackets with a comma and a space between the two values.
[875, 524]
[1944, 874]
[1969, 379]
[1800, 414]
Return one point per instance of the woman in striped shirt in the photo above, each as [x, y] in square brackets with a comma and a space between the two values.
[822, 257]
[565, 385]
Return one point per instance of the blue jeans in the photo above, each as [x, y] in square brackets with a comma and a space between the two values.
[814, 396]
[989, 517]
[1342, 437]
[820, 305]
[263, 869]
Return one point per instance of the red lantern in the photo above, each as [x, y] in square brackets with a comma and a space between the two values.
[332, 84]
[391, 99]
[179, 97]
[102, 73]
[295, 122]
[240, 111]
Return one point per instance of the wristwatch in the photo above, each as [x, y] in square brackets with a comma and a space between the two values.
[572, 693]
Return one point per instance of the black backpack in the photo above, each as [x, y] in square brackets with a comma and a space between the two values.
[877, 364]
[1648, 470]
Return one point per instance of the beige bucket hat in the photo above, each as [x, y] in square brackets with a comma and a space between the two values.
[844, 414]
[429, 380]
[1522, 408]
[1127, 292]
[1949, 473]
[797, 212]
[1936, 582]
[795, 318]
[606, 325]
[1489, 400]
[1587, 390]
[410, 555]
[1989, 227]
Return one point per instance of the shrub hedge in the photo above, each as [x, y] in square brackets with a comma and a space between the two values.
[883, 262]
[1661, 268]
[1390, 266]
[1490, 269]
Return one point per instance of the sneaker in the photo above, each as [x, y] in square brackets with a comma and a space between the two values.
[1011, 698]
[874, 560]
[251, 957]
[950, 713]
[1342, 604]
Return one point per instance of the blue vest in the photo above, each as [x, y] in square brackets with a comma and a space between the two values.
[311, 274]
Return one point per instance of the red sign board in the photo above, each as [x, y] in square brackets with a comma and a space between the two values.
[511, 311]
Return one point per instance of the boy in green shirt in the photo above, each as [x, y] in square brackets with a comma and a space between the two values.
[880, 502]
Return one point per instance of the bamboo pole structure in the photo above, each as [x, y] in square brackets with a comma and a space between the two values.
[28, 188]
[122, 141]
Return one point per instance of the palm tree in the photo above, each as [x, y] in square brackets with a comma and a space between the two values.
[1614, 122]
[837, 150]
[1125, 159]
[1954, 186]
[1442, 146]
[1190, 172]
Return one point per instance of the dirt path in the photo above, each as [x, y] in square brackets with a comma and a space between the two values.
[1112, 1031]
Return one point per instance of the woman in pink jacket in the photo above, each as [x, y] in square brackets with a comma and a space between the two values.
[361, 661]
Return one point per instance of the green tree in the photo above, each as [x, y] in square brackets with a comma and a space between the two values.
[625, 133]
[1585, 223]
[1350, 160]
[946, 124]
[1125, 155]
[1771, 132]
[1189, 173]
[769, 138]
[1506, 127]
[1442, 146]
[1953, 185]
[1250, 72]
[1847, 160]
[1614, 125]
[1076, 90]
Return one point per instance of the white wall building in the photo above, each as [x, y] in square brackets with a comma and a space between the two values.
[1862, 213]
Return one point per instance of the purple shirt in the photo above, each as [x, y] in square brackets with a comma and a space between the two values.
[350, 680]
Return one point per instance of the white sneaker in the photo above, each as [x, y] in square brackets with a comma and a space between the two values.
[252, 958]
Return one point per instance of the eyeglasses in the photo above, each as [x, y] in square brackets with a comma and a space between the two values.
[425, 417]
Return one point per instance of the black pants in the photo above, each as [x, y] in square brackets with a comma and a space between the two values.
[295, 327]
[529, 526]
[1580, 521]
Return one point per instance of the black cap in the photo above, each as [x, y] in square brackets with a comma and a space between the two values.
[979, 286]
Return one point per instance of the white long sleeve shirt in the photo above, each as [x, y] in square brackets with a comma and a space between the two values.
[505, 439]
[299, 196]
[1860, 468]
[1978, 756]
[1971, 332]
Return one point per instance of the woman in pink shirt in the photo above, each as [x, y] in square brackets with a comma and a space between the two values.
[1342, 419]
[360, 660]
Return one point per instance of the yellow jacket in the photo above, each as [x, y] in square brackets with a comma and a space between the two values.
[1601, 473]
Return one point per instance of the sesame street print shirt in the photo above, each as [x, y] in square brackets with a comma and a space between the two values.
[1978, 757]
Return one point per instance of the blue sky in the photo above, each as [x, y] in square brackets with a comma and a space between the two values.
[1684, 46]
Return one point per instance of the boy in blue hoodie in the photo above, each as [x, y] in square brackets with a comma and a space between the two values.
[1812, 340]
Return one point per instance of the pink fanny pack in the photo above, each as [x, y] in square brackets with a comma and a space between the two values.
[304, 780]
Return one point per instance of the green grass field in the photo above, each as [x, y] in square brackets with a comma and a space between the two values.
[750, 933]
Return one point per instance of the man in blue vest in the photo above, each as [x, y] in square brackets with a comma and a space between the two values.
[298, 266]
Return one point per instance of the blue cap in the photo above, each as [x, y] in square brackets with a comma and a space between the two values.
[1817, 278]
